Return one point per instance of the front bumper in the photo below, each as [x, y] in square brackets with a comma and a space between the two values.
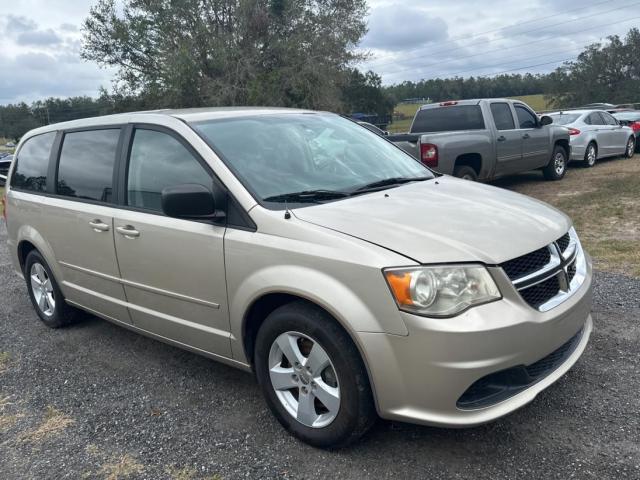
[420, 378]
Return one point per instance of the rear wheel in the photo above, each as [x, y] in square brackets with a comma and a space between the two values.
[590, 155]
[466, 173]
[631, 147]
[312, 376]
[557, 166]
[45, 294]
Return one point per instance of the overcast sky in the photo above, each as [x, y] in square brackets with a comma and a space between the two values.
[40, 40]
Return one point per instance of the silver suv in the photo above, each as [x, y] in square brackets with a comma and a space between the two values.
[349, 277]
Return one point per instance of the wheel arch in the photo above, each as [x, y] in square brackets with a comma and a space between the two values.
[263, 305]
[28, 239]
[473, 160]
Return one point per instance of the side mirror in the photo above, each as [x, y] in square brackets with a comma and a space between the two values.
[189, 201]
[545, 120]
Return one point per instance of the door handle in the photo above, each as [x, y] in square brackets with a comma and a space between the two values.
[525, 136]
[99, 226]
[128, 231]
[501, 138]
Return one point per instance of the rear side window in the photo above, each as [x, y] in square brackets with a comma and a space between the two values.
[32, 163]
[594, 119]
[502, 116]
[86, 164]
[157, 161]
[443, 119]
[608, 119]
[526, 119]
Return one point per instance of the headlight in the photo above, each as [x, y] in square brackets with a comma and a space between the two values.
[441, 291]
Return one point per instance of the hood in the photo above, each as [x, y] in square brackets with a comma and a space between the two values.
[445, 220]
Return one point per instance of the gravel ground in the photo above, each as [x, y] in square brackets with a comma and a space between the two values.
[97, 401]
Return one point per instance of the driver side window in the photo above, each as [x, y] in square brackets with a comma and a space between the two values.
[157, 161]
[526, 119]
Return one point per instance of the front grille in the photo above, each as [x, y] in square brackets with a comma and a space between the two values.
[499, 386]
[526, 264]
[571, 271]
[563, 242]
[542, 292]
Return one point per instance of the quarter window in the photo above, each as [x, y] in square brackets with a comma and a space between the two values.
[157, 161]
[86, 164]
[595, 119]
[526, 119]
[608, 119]
[32, 163]
[502, 116]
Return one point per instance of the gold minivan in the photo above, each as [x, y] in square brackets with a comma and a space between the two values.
[353, 280]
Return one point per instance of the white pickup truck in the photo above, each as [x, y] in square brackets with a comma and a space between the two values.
[485, 139]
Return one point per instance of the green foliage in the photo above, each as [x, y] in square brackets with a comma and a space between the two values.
[188, 53]
[364, 93]
[602, 73]
[440, 89]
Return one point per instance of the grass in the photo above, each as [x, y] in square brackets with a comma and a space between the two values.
[4, 361]
[604, 205]
[54, 423]
[537, 102]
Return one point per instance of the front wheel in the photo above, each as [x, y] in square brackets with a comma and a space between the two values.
[557, 166]
[312, 376]
[631, 147]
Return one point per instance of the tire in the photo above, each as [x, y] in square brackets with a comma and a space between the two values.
[465, 172]
[631, 147]
[557, 166]
[58, 314]
[301, 328]
[590, 155]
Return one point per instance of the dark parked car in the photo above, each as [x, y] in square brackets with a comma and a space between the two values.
[5, 163]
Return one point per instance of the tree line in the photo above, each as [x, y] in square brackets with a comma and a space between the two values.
[291, 53]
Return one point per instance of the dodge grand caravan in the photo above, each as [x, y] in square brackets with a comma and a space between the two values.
[349, 277]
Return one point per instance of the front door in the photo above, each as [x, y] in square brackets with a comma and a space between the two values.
[535, 140]
[172, 270]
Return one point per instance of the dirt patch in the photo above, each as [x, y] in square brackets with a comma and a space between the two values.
[604, 203]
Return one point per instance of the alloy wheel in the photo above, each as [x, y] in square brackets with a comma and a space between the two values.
[591, 155]
[42, 289]
[304, 379]
[559, 163]
[631, 146]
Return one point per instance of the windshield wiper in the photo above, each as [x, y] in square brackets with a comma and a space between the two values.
[388, 182]
[307, 196]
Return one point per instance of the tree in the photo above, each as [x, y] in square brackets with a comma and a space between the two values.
[602, 73]
[228, 52]
[16, 120]
[364, 93]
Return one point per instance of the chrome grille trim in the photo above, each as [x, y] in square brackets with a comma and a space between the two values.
[558, 266]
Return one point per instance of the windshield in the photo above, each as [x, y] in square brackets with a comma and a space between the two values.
[565, 118]
[276, 155]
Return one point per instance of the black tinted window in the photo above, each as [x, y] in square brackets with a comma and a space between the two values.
[86, 164]
[157, 161]
[594, 119]
[502, 116]
[442, 119]
[526, 119]
[608, 119]
[32, 164]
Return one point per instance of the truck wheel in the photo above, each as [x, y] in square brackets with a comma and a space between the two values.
[312, 376]
[466, 173]
[557, 166]
[590, 155]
